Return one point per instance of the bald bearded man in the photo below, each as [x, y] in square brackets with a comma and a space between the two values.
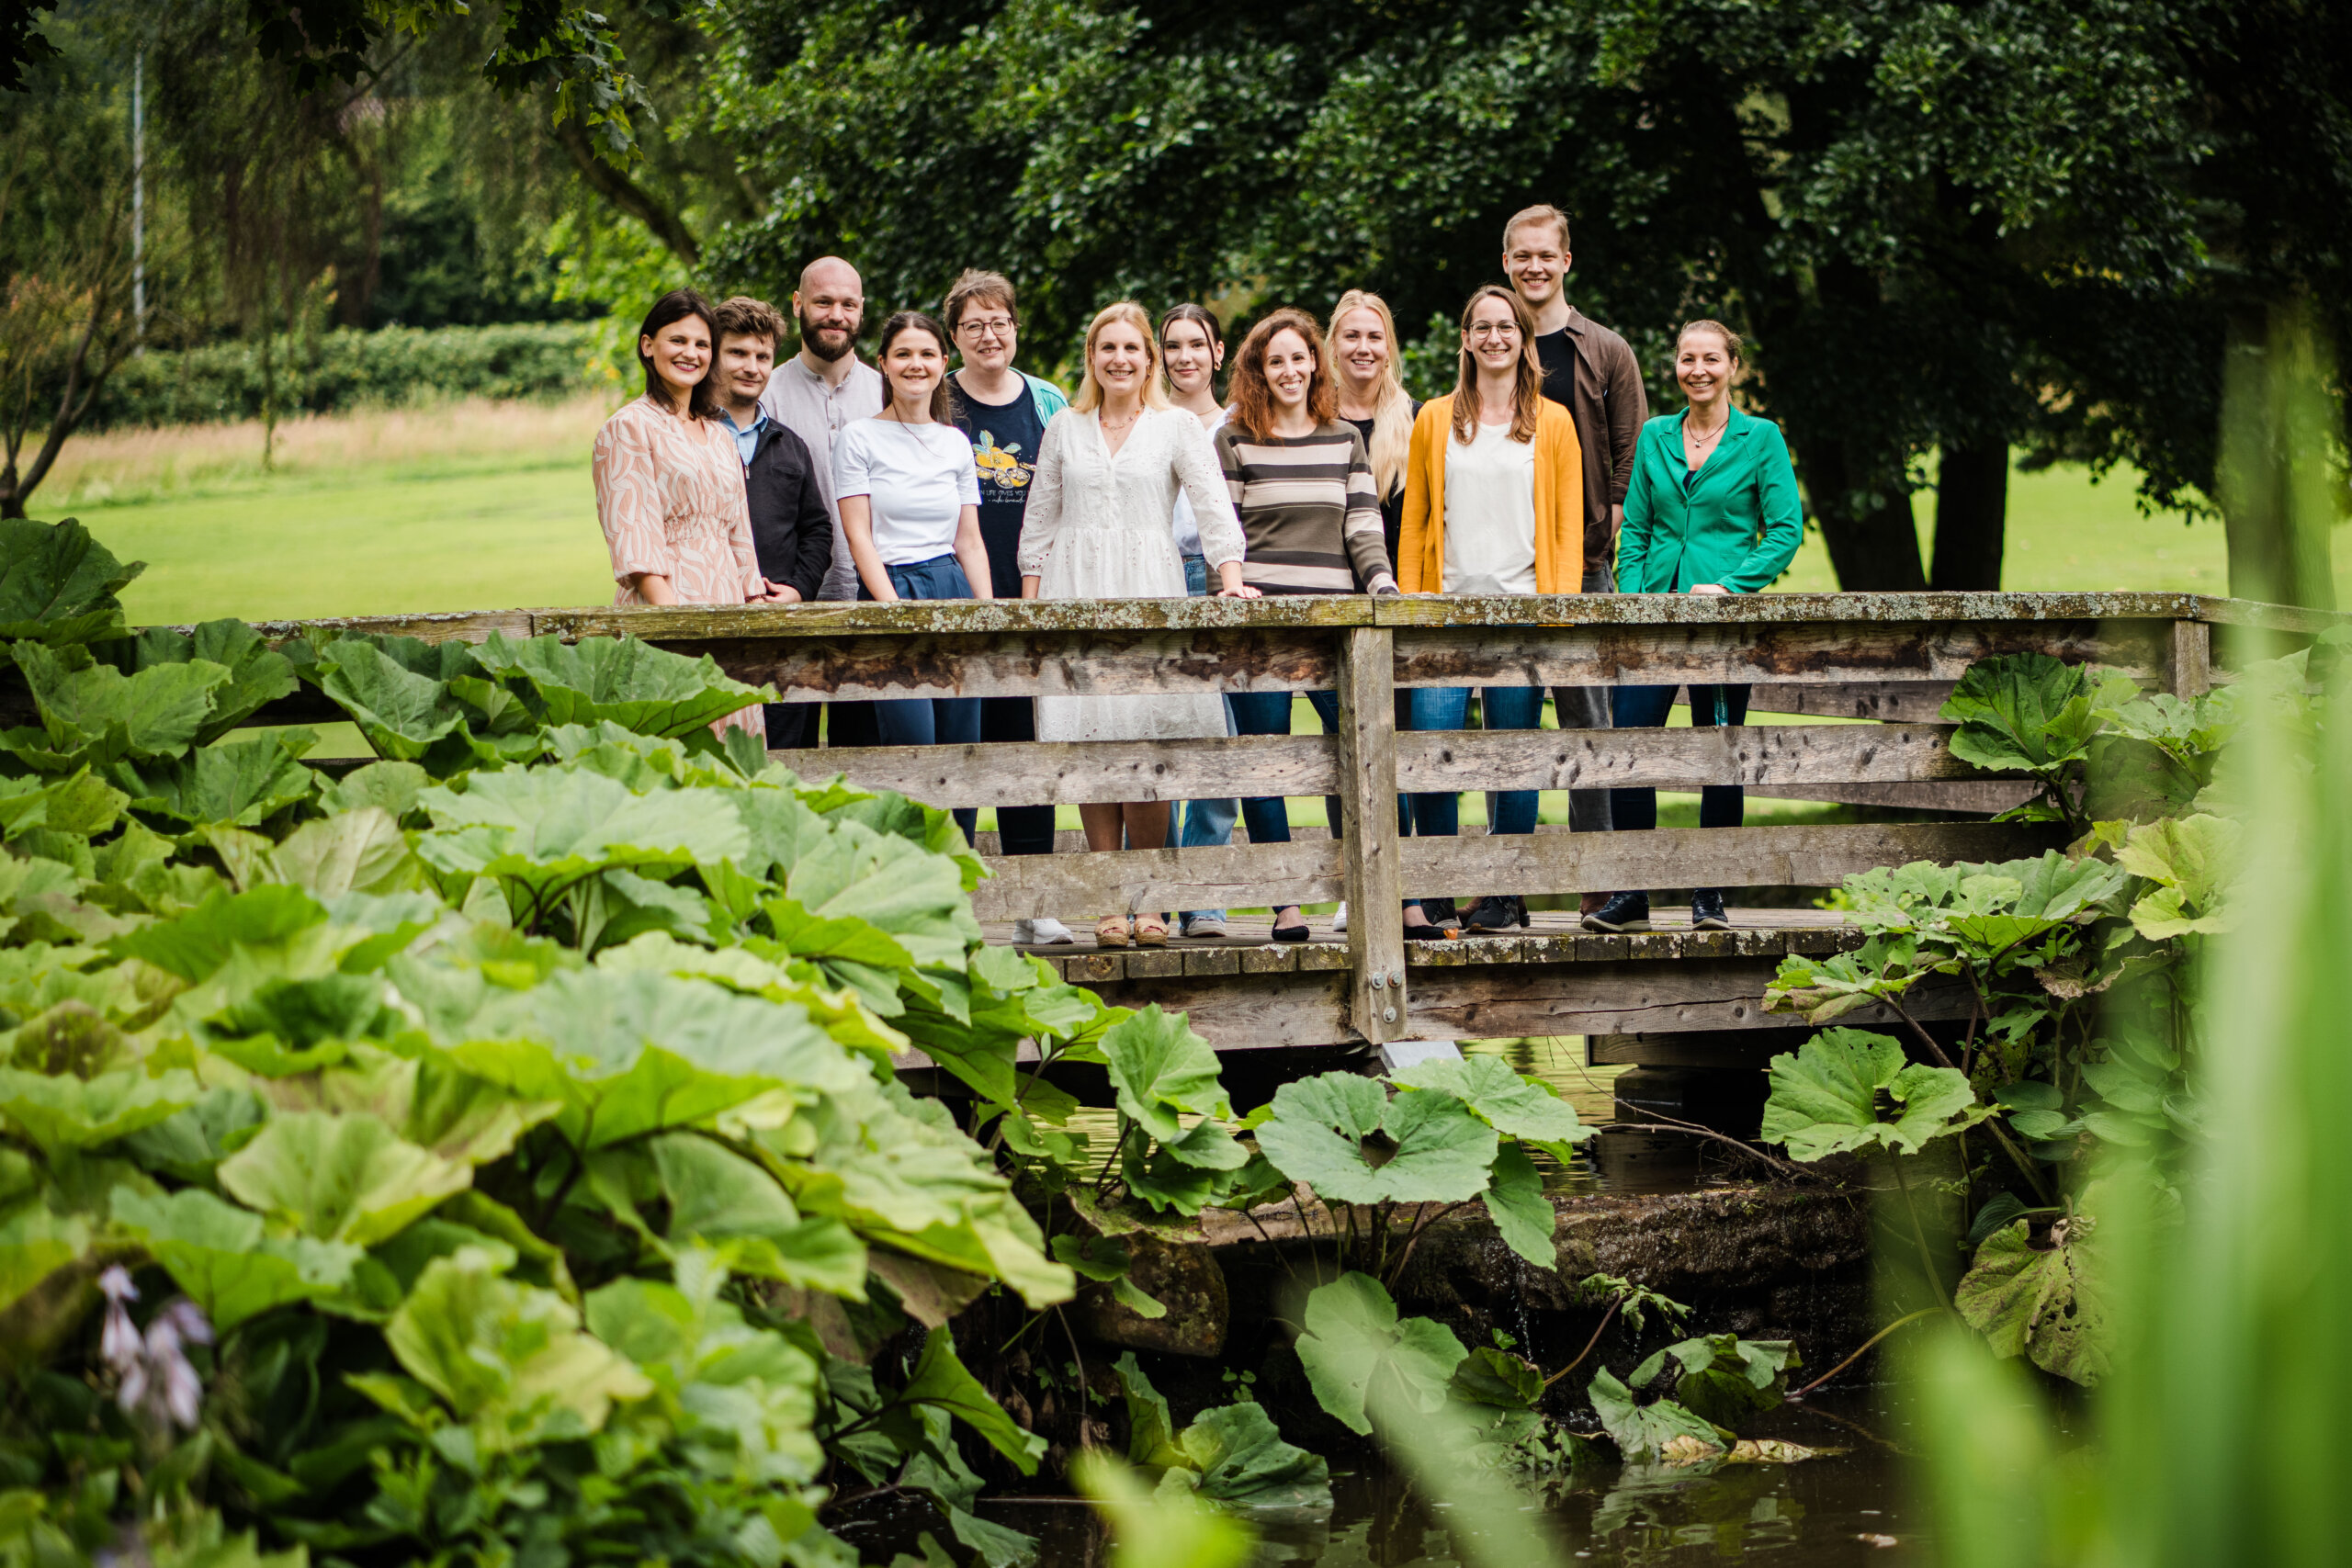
[821, 390]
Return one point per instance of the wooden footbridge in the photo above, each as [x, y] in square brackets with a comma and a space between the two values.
[1868, 670]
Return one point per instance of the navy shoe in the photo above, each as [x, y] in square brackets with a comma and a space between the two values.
[1496, 912]
[1707, 911]
[1623, 912]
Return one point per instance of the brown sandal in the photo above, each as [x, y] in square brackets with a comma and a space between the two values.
[1150, 931]
[1111, 930]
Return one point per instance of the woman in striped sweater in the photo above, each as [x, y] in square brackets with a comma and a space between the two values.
[1302, 485]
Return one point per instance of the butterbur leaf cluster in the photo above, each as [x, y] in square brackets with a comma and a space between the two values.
[513, 1111]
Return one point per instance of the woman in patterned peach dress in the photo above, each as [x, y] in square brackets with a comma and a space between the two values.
[669, 481]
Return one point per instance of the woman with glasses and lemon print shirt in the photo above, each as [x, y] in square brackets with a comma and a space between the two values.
[1003, 413]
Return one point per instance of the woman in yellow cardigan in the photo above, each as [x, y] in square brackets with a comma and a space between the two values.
[1494, 503]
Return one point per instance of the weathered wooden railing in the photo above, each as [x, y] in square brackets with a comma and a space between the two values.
[1888, 659]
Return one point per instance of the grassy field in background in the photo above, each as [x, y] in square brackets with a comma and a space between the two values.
[482, 506]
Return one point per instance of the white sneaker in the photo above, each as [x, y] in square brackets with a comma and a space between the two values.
[1043, 932]
[1339, 920]
[1204, 923]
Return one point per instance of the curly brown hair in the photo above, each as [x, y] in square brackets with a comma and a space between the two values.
[1254, 396]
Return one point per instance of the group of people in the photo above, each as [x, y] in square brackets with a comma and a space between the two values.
[943, 471]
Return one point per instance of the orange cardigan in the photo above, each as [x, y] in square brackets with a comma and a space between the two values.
[1560, 501]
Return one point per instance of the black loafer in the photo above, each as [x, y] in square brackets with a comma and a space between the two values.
[1427, 933]
[1623, 912]
[1496, 912]
[1293, 933]
[1707, 911]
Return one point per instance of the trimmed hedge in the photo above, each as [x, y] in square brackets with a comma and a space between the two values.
[352, 370]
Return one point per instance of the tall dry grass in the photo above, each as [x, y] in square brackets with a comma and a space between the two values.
[128, 466]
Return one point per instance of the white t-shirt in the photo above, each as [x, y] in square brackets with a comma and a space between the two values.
[918, 478]
[1490, 514]
[1188, 528]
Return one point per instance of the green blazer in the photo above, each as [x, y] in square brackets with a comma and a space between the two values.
[1739, 524]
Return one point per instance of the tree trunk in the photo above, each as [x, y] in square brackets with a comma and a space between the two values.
[1972, 515]
[2277, 425]
[1873, 543]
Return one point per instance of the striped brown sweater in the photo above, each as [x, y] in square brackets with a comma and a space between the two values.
[1309, 510]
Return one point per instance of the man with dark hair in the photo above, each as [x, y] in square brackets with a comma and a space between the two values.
[792, 528]
[1003, 412]
[1591, 372]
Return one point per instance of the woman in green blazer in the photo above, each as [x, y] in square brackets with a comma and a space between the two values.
[1713, 508]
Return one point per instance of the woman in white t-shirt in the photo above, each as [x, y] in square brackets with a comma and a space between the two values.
[1494, 503]
[910, 496]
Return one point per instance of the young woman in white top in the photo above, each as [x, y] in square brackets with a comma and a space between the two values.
[1191, 351]
[1097, 527]
[1494, 503]
[909, 497]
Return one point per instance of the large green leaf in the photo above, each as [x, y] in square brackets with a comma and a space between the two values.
[402, 713]
[915, 895]
[719, 1197]
[362, 850]
[1514, 1106]
[348, 1178]
[1825, 1097]
[2191, 859]
[1523, 1216]
[2026, 711]
[941, 1380]
[1721, 1378]
[99, 714]
[58, 584]
[2046, 1302]
[1826, 989]
[198, 942]
[35, 1242]
[508, 1359]
[1159, 1069]
[237, 782]
[219, 1255]
[630, 1055]
[1243, 1461]
[1352, 1336]
[727, 1384]
[61, 1112]
[1641, 1432]
[257, 674]
[1345, 1137]
[623, 678]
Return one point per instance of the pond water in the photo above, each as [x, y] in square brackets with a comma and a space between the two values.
[1852, 1508]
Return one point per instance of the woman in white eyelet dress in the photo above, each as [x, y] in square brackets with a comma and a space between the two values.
[1100, 524]
[1099, 527]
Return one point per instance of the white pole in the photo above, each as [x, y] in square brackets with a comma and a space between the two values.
[139, 199]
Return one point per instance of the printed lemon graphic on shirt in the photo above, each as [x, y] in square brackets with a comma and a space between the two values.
[1000, 466]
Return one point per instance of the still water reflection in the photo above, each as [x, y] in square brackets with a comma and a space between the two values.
[1825, 1513]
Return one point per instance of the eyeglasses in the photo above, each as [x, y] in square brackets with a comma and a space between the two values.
[993, 326]
[1485, 330]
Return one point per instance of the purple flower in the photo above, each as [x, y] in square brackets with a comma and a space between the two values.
[157, 1381]
[118, 1344]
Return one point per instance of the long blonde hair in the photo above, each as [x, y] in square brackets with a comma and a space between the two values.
[1089, 391]
[1527, 384]
[1392, 406]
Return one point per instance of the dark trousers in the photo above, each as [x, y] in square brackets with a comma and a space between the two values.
[1268, 713]
[1646, 707]
[791, 725]
[1021, 829]
[930, 721]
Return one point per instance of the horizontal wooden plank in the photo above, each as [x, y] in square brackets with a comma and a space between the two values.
[1783, 609]
[962, 617]
[1985, 798]
[1074, 773]
[1739, 1049]
[1804, 856]
[1891, 702]
[1748, 652]
[1242, 1012]
[1047, 664]
[1311, 872]
[1676, 758]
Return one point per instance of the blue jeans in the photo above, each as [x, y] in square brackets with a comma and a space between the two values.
[1268, 713]
[1646, 707]
[1501, 707]
[931, 721]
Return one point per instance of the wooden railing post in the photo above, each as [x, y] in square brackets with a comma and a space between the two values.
[2189, 661]
[1368, 817]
